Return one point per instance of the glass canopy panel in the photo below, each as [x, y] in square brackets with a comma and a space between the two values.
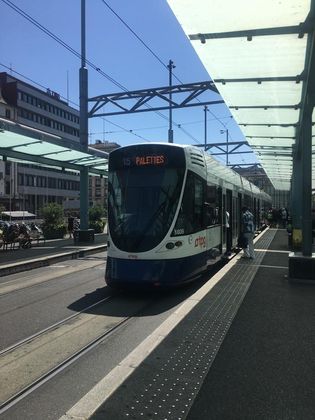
[266, 93]
[42, 149]
[9, 140]
[238, 58]
[266, 116]
[279, 164]
[271, 143]
[274, 161]
[264, 56]
[21, 148]
[274, 131]
[220, 16]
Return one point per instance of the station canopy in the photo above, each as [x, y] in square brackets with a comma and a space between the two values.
[27, 145]
[256, 53]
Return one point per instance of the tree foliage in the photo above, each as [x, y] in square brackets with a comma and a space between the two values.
[97, 218]
[53, 224]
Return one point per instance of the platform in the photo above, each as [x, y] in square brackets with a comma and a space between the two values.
[245, 351]
[49, 252]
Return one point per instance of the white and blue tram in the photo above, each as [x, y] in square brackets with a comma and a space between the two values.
[166, 213]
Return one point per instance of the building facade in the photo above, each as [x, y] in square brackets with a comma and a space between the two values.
[98, 186]
[28, 186]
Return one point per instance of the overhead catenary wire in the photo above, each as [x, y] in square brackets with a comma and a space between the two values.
[150, 50]
[122, 129]
[157, 126]
[76, 53]
[95, 67]
[60, 41]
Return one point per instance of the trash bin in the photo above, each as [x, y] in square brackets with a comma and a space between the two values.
[83, 235]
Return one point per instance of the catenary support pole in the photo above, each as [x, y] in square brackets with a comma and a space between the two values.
[84, 176]
[170, 130]
[84, 233]
[205, 110]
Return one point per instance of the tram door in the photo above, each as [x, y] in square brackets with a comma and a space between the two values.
[224, 223]
[230, 220]
[255, 213]
[239, 216]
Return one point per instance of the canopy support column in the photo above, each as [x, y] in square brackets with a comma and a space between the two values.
[302, 264]
[84, 234]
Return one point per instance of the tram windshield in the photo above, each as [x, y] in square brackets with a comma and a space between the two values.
[142, 201]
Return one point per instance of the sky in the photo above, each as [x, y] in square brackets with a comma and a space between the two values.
[132, 43]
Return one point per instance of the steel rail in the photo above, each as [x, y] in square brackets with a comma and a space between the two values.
[50, 328]
[27, 390]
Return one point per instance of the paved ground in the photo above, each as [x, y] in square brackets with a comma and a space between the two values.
[264, 368]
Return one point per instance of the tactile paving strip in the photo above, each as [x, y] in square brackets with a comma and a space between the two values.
[166, 383]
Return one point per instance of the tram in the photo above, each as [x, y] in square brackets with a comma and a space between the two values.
[167, 207]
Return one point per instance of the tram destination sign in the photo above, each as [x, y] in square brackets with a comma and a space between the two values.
[145, 160]
[146, 156]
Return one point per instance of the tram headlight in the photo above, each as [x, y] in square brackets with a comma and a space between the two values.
[172, 245]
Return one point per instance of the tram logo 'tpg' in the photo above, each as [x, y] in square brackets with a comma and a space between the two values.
[200, 241]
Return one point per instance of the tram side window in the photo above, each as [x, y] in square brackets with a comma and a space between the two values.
[191, 214]
[213, 205]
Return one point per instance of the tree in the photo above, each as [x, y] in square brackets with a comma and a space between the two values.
[54, 225]
[97, 218]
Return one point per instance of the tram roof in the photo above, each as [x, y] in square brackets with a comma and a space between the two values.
[24, 144]
[258, 53]
[233, 178]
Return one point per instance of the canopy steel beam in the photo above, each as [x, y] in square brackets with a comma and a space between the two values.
[140, 98]
[271, 137]
[300, 30]
[297, 106]
[267, 125]
[260, 80]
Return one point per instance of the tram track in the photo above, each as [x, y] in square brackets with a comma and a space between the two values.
[50, 328]
[20, 367]
[15, 285]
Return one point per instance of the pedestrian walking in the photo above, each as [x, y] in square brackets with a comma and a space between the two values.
[284, 217]
[248, 230]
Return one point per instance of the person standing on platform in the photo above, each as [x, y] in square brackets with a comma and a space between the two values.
[70, 225]
[228, 234]
[248, 230]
